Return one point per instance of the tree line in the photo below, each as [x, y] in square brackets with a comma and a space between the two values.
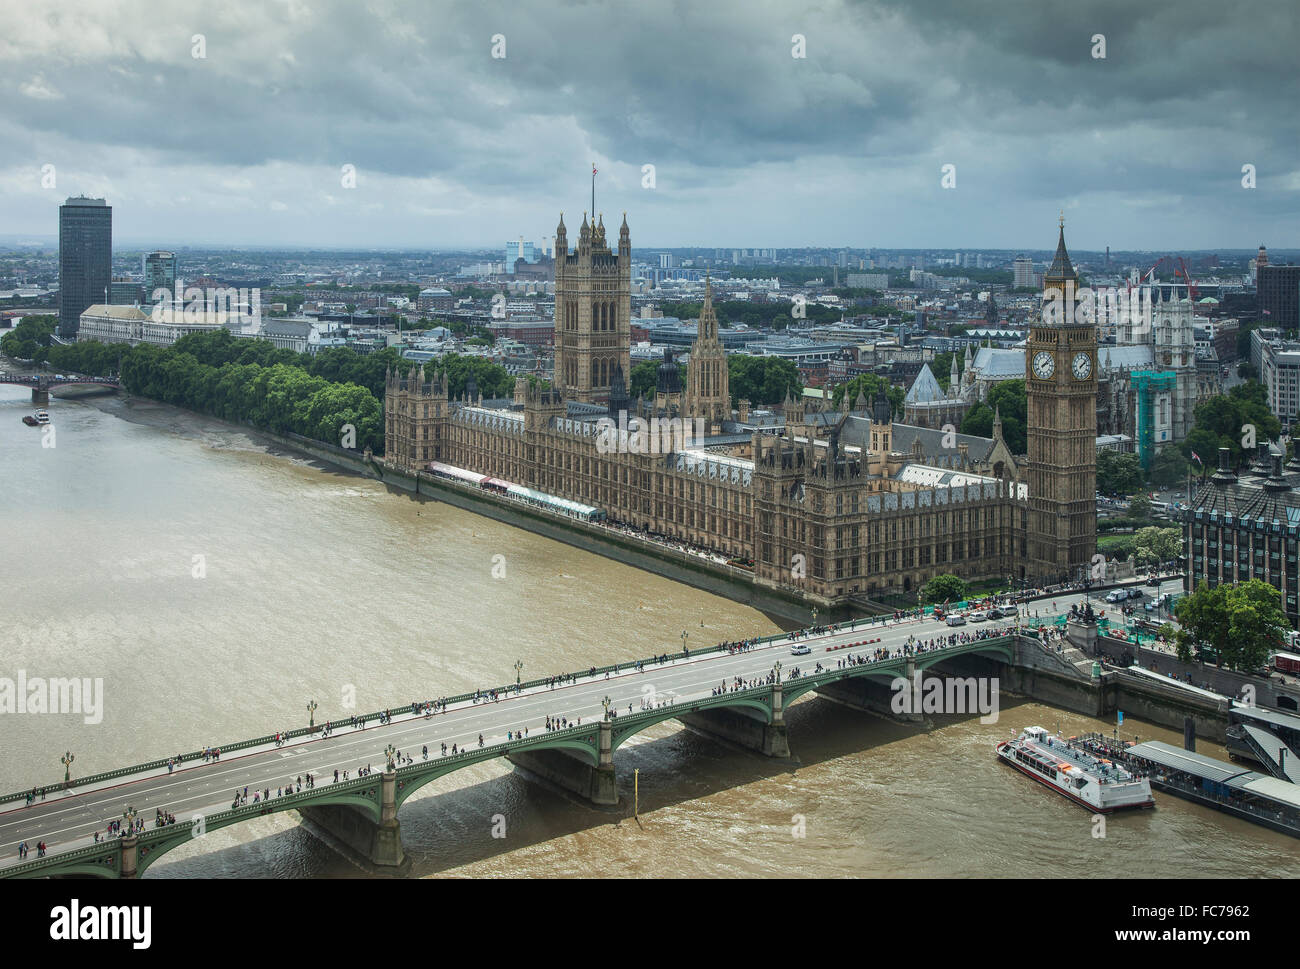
[253, 381]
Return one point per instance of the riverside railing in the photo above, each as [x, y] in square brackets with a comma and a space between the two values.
[402, 710]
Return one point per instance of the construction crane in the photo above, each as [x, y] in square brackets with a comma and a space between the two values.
[1191, 286]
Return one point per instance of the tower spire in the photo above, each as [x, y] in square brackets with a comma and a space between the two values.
[593, 190]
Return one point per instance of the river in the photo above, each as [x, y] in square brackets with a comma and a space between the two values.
[217, 584]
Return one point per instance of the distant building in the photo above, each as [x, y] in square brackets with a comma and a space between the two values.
[1279, 295]
[132, 325]
[520, 250]
[1022, 274]
[868, 280]
[295, 335]
[159, 273]
[125, 292]
[435, 301]
[85, 259]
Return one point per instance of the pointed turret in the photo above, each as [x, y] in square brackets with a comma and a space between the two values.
[1060, 274]
[708, 328]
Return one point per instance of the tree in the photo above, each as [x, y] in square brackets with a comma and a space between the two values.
[868, 385]
[1155, 544]
[941, 367]
[762, 380]
[1008, 398]
[1224, 421]
[1241, 623]
[1139, 507]
[1168, 468]
[944, 588]
[642, 381]
[1118, 474]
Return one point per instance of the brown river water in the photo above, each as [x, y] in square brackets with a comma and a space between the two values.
[217, 584]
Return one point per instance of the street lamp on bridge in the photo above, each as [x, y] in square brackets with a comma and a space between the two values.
[67, 760]
[684, 635]
[519, 668]
[389, 751]
[814, 615]
[605, 702]
[311, 714]
[776, 669]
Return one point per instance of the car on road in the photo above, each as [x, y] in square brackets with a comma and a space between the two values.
[1162, 602]
[978, 617]
[1116, 595]
[956, 620]
[1153, 580]
[802, 649]
[998, 613]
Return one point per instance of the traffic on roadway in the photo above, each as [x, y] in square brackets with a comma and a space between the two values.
[53, 819]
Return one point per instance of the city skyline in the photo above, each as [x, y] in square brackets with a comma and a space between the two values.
[236, 130]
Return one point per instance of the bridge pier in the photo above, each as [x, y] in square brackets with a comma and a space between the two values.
[40, 395]
[745, 727]
[130, 857]
[597, 785]
[380, 844]
[872, 695]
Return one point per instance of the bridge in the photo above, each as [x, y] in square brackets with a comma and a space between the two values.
[41, 383]
[571, 725]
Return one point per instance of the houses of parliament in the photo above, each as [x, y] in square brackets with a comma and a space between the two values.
[831, 504]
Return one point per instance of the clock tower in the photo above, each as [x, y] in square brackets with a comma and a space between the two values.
[1061, 419]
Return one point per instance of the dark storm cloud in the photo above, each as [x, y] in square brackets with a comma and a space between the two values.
[708, 93]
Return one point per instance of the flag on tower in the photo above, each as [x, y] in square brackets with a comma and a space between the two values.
[1197, 458]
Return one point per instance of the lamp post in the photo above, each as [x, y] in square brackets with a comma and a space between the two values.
[128, 816]
[684, 635]
[605, 702]
[67, 760]
[311, 714]
[389, 751]
[519, 668]
[776, 669]
[814, 615]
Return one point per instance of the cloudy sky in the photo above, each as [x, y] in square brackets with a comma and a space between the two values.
[751, 146]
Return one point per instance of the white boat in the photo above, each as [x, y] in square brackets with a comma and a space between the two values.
[42, 417]
[1087, 779]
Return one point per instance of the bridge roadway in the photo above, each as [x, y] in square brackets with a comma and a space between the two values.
[67, 820]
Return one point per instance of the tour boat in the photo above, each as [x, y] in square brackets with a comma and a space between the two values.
[42, 417]
[1085, 778]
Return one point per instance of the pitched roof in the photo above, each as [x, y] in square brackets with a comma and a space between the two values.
[996, 363]
[1060, 271]
[925, 388]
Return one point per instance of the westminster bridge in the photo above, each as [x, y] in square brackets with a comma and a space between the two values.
[737, 695]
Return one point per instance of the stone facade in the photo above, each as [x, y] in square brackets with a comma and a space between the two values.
[593, 311]
[827, 504]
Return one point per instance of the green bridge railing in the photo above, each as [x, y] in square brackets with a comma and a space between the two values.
[197, 755]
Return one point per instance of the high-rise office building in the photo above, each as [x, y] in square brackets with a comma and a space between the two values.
[1278, 288]
[159, 273]
[85, 259]
[1023, 274]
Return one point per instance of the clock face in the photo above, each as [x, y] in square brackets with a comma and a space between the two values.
[1081, 367]
[1044, 365]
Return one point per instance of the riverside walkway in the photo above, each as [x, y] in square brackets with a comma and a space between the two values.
[563, 729]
